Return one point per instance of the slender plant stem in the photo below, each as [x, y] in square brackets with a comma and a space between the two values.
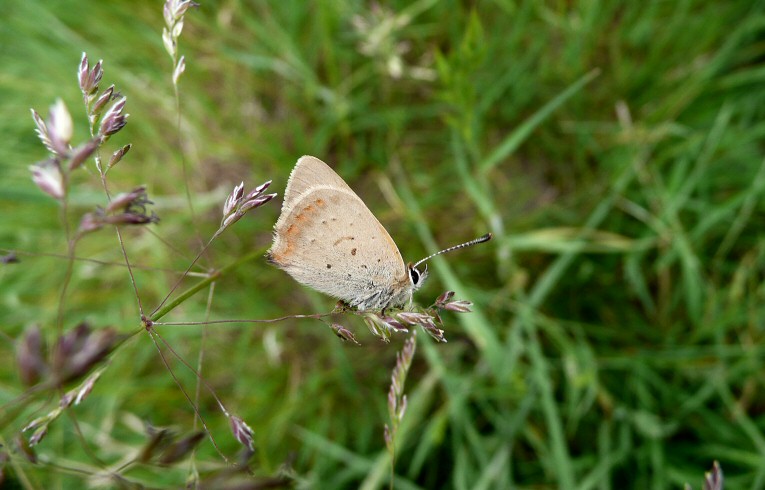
[154, 335]
[167, 308]
[70, 246]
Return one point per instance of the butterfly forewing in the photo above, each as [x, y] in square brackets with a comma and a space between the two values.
[309, 172]
[327, 238]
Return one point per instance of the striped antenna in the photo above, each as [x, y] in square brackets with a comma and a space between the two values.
[482, 239]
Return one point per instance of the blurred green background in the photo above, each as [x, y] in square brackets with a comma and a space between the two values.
[615, 149]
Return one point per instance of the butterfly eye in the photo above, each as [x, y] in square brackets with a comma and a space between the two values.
[415, 275]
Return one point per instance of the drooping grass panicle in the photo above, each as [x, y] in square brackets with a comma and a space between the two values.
[76, 352]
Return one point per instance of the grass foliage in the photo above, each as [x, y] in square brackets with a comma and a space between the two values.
[615, 150]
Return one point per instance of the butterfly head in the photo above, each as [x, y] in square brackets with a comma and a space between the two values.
[417, 277]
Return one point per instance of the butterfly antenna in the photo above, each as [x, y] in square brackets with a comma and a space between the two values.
[482, 239]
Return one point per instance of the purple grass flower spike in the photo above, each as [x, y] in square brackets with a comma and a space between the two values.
[77, 395]
[436, 333]
[83, 152]
[237, 204]
[713, 480]
[38, 435]
[113, 120]
[77, 351]
[129, 208]
[415, 318]
[242, 432]
[9, 258]
[136, 198]
[384, 326]
[60, 127]
[444, 298]
[179, 69]
[89, 79]
[397, 401]
[36, 423]
[377, 327]
[424, 320]
[460, 306]
[173, 12]
[48, 177]
[388, 438]
[233, 199]
[393, 324]
[117, 155]
[444, 302]
[30, 358]
[344, 334]
[102, 100]
[82, 72]
[181, 448]
[85, 388]
[42, 131]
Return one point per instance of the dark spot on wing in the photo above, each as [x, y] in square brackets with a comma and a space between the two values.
[329, 266]
[343, 238]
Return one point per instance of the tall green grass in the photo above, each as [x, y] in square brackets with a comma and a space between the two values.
[615, 150]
